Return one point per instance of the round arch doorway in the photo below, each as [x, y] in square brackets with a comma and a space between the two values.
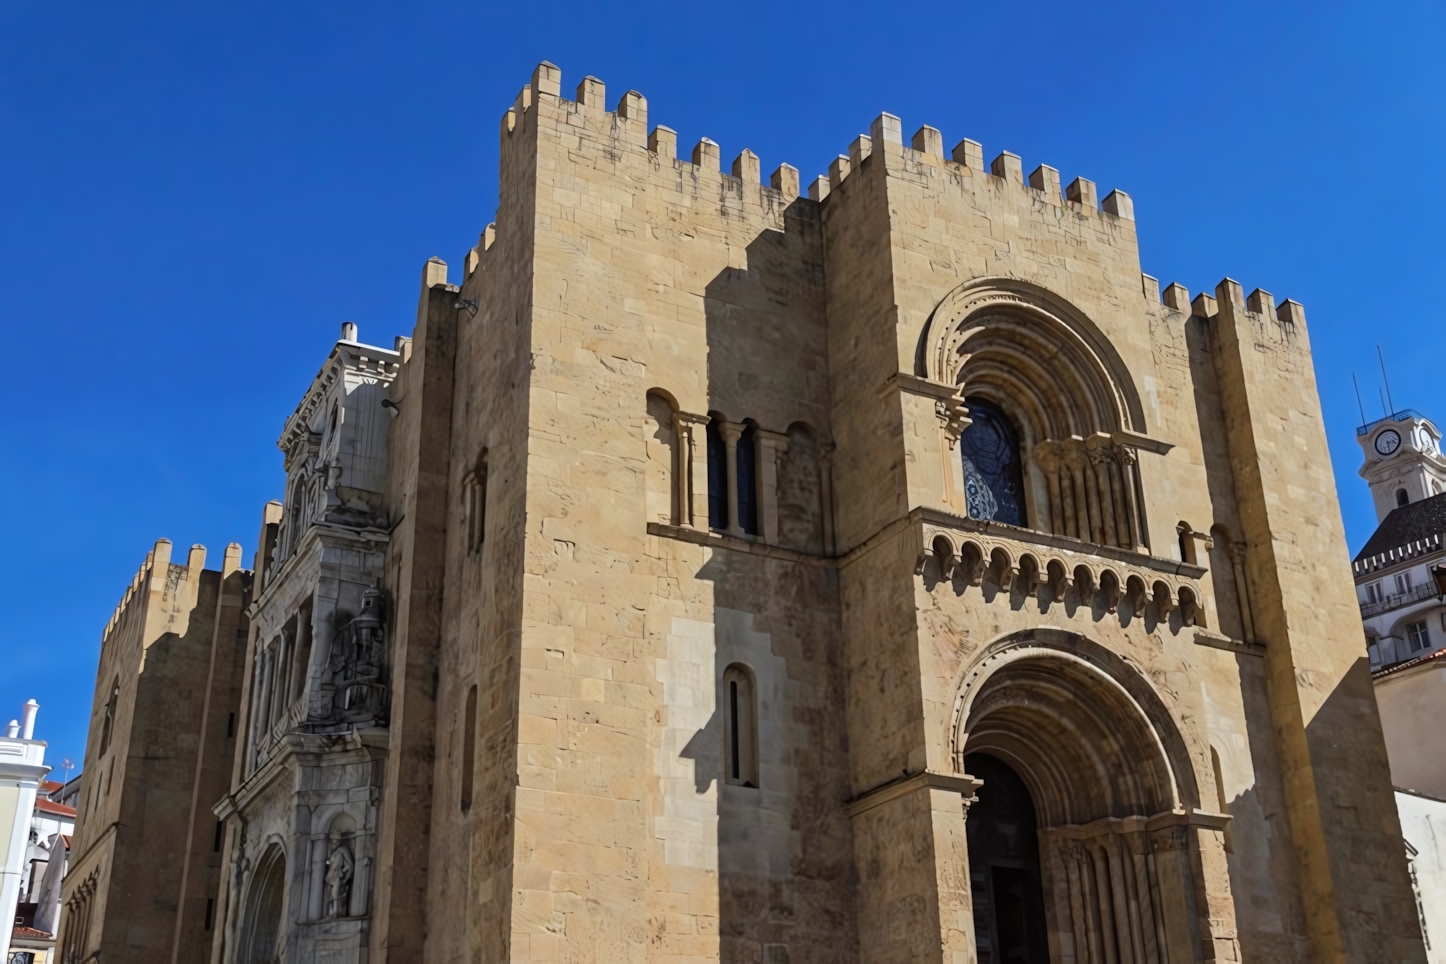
[1089, 845]
[1009, 922]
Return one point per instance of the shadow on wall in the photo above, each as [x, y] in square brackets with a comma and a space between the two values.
[753, 757]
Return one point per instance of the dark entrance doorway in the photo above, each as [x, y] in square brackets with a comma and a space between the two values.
[1009, 925]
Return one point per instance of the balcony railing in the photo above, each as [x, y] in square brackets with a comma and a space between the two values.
[1424, 591]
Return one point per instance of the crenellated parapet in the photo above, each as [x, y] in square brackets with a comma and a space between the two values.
[626, 125]
[1287, 319]
[926, 147]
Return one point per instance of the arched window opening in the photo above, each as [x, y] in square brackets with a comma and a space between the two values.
[469, 747]
[1187, 543]
[301, 654]
[1402, 498]
[740, 729]
[993, 469]
[474, 504]
[717, 475]
[747, 459]
[663, 461]
[107, 724]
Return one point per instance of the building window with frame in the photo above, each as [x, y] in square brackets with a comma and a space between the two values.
[1374, 593]
[1402, 498]
[993, 468]
[746, 457]
[740, 727]
[1418, 636]
[474, 504]
[717, 475]
[1403, 583]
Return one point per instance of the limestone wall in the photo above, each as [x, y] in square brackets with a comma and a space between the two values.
[129, 850]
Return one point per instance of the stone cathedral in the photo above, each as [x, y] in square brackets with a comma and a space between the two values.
[877, 570]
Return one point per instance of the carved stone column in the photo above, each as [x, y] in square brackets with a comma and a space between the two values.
[770, 445]
[692, 466]
[1128, 457]
[1075, 461]
[1100, 448]
[732, 432]
[1046, 455]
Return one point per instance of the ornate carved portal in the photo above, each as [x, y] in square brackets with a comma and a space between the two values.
[1118, 873]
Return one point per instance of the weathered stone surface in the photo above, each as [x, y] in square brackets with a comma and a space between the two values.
[698, 603]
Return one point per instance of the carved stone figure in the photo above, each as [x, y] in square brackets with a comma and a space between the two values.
[339, 869]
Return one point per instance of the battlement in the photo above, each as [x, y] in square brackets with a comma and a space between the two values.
[927, 147]
[1289, 315]
[629, 121]
[158, 560]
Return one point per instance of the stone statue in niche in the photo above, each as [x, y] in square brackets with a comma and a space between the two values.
[358, 693]
[339, 870]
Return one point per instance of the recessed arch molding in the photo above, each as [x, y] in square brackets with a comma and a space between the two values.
[1067, 392]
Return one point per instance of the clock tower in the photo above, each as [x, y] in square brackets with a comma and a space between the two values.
[1403, 463]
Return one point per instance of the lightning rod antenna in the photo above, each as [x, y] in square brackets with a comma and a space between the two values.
[1385, 379]
[1357, 387]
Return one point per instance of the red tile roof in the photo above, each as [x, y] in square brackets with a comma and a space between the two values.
[1407, 664]
[46, 786]
[51, 807]
[31, 934]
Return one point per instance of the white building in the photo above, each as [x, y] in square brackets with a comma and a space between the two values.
[1401, 570]
[1401, 587]
[22, 768]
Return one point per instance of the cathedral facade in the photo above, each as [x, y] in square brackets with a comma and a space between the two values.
[882, 570]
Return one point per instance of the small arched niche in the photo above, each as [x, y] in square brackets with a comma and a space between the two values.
[660, 438]
[800, 492]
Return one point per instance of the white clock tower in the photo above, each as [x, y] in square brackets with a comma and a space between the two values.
[1404, 463]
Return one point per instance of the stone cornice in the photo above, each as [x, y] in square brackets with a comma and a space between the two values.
[959, 783]
[382, 364]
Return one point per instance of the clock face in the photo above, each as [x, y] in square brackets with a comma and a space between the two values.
[1388, 441]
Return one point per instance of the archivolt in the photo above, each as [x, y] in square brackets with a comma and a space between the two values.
[1085, 731]
[1029, 349]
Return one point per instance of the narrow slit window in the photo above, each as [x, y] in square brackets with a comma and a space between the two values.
[474, 505]
[469, 748]
[740, 714]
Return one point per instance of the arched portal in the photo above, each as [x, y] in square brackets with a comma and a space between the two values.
[1017, 351]
[261, 924]
[1113, 798]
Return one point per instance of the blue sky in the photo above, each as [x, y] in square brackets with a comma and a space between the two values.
[195, 196]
